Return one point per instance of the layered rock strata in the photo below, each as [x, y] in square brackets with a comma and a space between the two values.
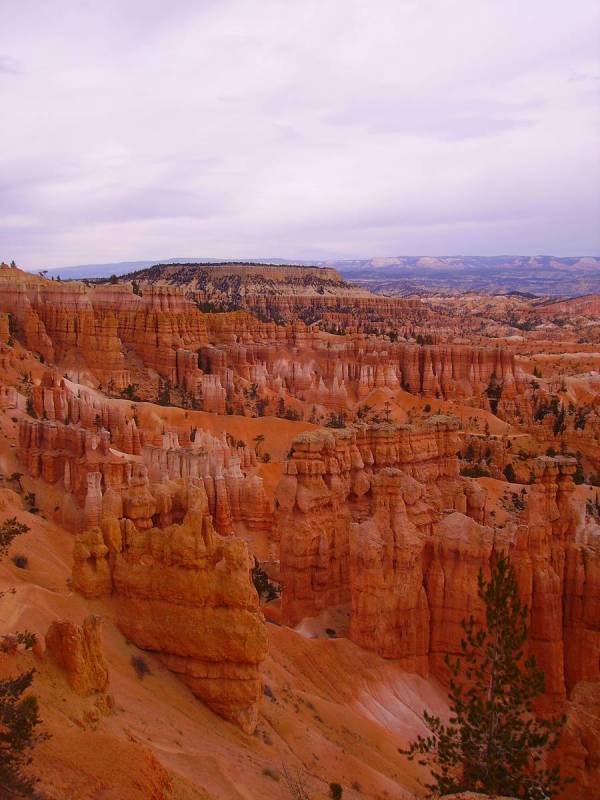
[378, 519]
[93, 450]
[184, 593]
[338, 478]
[114, 337]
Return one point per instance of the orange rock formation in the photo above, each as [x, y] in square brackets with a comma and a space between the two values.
[128, 442]
[378, 517]
[182, 591]
[78, 650]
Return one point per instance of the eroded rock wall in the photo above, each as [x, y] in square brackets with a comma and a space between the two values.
[377, 518]
[184, 593]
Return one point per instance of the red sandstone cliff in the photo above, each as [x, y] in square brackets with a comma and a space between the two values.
[378, 518]
[183, 592]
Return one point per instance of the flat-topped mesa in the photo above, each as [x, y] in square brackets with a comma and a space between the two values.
[190, 273]
[277, 273]
[328, 483]
[182, 592]
[283, 293]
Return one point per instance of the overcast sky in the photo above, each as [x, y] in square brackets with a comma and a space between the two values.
[137, 129]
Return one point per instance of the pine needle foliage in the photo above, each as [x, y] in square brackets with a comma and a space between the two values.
[9, 530]
[19, 719]
[494, 742]
[19, 716]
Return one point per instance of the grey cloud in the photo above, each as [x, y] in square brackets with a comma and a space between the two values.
[156, 202]
[435, 123]
[583, 77]
[246, 127]
[9, 65]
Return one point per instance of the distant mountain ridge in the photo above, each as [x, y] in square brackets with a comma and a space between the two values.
[392, 265]
[545, 275]
[537, 275]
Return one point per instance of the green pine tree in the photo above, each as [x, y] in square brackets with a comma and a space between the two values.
[18, 711]
[10, 528]
[494, 743]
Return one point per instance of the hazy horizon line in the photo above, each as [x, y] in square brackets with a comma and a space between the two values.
[283, 261]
